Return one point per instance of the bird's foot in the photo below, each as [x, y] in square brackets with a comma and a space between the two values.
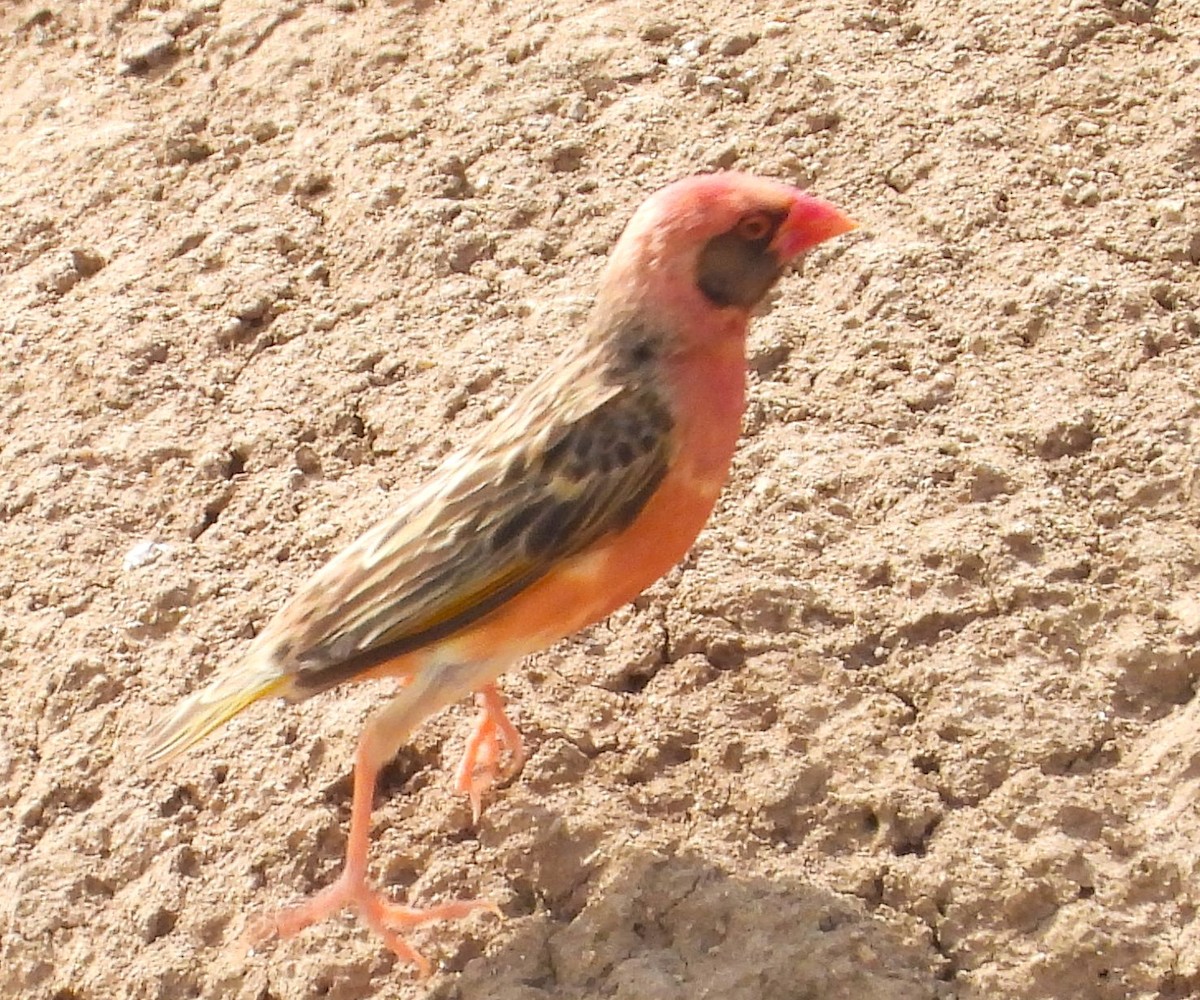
[480, 769]
[384, 917]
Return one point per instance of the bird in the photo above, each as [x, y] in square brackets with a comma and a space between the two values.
[588, 487]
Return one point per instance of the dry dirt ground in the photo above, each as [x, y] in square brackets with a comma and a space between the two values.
[915, 719]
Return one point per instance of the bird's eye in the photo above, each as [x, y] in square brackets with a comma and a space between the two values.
[755, 226]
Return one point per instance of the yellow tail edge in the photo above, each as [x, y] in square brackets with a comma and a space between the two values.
[208, 709]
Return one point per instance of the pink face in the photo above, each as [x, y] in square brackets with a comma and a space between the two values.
[720, 240]
[724, 238]
[696, 209]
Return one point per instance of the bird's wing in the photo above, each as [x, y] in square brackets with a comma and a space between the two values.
[495, 522]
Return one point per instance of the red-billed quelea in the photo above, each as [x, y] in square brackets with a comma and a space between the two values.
[590, 486]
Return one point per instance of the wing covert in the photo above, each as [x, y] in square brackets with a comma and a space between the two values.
[486, 529]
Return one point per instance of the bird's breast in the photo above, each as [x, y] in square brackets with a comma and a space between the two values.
[613, 571]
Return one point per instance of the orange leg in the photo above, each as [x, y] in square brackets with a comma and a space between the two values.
[478, 771]
[384, 734]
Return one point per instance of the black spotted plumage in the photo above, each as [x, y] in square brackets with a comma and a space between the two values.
[492, 523]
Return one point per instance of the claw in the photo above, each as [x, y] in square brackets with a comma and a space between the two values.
[479, 768]
[377, 912]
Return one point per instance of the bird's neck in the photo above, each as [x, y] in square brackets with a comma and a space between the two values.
[708, 383]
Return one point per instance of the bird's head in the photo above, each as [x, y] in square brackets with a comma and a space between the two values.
[717, 243]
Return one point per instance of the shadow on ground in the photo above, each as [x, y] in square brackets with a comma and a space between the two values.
[669, 928]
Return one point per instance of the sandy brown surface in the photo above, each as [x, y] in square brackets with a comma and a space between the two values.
[916, 718]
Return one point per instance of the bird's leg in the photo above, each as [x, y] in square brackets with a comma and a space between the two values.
[478, 770]
[385, 732]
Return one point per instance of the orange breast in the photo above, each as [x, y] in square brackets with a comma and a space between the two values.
[613, 572]
[603, 578]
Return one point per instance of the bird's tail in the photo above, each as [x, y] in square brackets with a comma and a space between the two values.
[226, 694]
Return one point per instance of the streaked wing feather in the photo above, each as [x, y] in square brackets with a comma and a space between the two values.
[492, 525]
